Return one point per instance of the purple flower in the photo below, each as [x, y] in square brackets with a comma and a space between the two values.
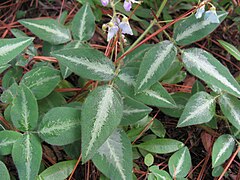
[104, 2]
[128, 4]
[200, 12]
[112, 30]
[125, 26]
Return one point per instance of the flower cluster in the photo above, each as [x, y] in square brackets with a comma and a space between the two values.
[115, 25]
[209, 15]
[127, 4]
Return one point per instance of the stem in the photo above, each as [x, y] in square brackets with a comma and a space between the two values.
[150, 26]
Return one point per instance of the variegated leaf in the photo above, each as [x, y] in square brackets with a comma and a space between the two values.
[48, 29]
[24, 111]
[58, 171]
[158, 174]
[9, 94]
[10, 48]
[3, 67]
[230, 107]
[12, 76]
[203, 65]
[231, 49]
[222, 149]
[181, 99]
[83, 24]
[101, 114]
[61, 126]
[199, 109]
[156, 96]
[4, 171]
[114, 157]
[87, 63]
[180, 163]
[155, 64]
[41, 80]
[54, 99]
[126, 80]
[27, 156]
[7, 139]
[133, 111]
[161, 146]
[134, 58]
[191, 29]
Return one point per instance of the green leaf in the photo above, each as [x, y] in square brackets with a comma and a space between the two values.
[155, 64]
[203, 65]
[156, 96]
[197, 87]
[161, 146]
[148, 159]
[181, 99]
[125, 80]
[88, 63]
[10, 48]
[18, 33]
[12, 76]
[101, 113]
[4, 171]
[180, 163]
[7, 139]
[199, 109]
[83, 24]
[59, 171]
[231, 49]
[73, 150]
[48, 29]
[217, 171]
[159, 174]
[60, 126]
[3, 67]
[27, 156]
[9, 94]
[135, 57]
[222, 149]
[114, 157]
[157, 128]
[133, 111]
[24, 111]
[230, 107]
[54, 99]
[191, 29]
[41, 80]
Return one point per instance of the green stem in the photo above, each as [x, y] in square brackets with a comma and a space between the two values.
[150, 26]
